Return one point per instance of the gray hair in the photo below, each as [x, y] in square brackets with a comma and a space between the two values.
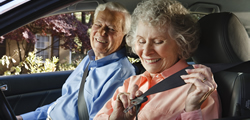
[114, 6]
[167, 15]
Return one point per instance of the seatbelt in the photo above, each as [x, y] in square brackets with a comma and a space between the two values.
[82, 106]
[175, 80]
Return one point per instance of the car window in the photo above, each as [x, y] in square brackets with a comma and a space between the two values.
[54, 43]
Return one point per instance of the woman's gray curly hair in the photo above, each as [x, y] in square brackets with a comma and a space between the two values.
[167, 15]
[114, 6]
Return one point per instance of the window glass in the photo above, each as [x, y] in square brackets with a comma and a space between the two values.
[43, 46]
[55, 46]
[61, 42]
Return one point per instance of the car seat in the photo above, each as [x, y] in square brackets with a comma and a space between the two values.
[224, 40]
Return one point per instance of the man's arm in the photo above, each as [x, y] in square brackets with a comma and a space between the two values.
[39, 113]
[121, 71]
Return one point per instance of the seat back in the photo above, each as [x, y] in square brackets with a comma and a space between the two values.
[225, 40]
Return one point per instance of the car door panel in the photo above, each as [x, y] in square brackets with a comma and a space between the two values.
[27, 92]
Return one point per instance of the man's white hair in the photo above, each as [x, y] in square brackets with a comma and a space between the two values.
[113, 6]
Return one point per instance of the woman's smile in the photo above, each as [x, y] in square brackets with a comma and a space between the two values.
[151, 61]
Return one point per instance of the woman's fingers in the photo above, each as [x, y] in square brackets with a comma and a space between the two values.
[203, 85]
[124, 98]
[133, 90]
[201, 72]
[123, 102]
[118, 109]
[199, 76]
[198, 68]
[138, 93]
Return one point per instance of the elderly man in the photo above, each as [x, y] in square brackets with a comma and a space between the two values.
[108, 68]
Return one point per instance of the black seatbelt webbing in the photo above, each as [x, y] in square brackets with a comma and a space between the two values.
[82, 106]
[175, 80]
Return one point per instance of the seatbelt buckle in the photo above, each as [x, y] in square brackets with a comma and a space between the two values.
[136, 102]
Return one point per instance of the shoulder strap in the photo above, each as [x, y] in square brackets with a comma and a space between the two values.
[82, 107]
[175, 80]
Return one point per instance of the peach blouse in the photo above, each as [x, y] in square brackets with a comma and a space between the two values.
[167, 105]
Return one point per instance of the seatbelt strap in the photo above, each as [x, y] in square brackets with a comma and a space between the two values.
[175, 80]
[82, 106]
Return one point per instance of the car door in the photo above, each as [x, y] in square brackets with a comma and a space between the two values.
[28, 91]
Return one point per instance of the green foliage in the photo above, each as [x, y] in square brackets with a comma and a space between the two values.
[68, 66]
[79, 44]
[6, 60]
[133, 60]
[32, 64]
[35, 64]
[87, 18]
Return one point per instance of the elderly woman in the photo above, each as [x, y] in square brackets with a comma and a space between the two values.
[163, 35]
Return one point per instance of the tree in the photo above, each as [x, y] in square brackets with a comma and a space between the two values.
[64, 26]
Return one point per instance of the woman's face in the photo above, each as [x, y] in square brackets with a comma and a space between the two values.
[156, 49]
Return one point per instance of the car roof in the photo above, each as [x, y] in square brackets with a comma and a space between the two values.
[241, 8]
[27, 12]
[33, 9]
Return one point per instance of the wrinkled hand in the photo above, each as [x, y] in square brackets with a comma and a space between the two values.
[122, 102]
[203, 85]
[19, 117]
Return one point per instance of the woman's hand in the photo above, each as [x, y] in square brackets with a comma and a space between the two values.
[203, 85]
[122, 102]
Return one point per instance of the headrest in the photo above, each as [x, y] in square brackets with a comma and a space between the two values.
[223, 40]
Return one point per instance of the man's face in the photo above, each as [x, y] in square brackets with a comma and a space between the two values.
[107, 34]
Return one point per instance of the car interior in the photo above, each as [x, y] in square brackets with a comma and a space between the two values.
[225, 29]
[226, 41]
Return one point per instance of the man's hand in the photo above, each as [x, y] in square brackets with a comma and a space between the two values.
[19, 117]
